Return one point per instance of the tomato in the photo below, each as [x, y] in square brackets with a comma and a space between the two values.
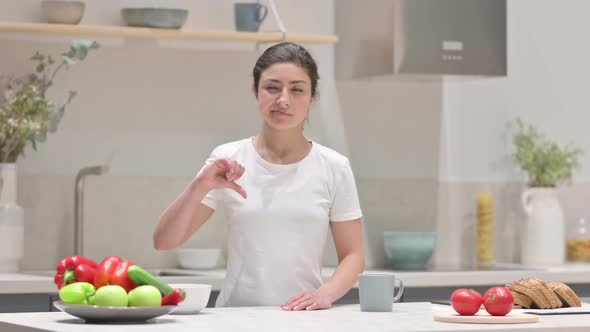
[466, 301]
[498, 301]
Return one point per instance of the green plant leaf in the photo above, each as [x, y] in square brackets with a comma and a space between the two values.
[38, 56]
[33, 143]
[84, 43]
[82, 46]
[56, 119]
[29, 115]
[71, 95]
[68, 59]
[40, 137]
[546, 163]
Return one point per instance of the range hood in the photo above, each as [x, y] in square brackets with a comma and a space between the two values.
[420, 37]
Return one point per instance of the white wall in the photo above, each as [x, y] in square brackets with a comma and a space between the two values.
[547, 85]
[154, 110]
[143, 105]
[420, 151]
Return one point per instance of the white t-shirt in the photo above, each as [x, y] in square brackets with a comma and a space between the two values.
[276, 237]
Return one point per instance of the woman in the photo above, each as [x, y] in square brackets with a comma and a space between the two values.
[281, 194]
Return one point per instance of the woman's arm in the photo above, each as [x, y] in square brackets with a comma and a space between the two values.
[182, 218]
[186, 214]
[349, 248]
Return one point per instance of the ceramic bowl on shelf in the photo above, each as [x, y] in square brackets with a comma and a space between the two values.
[153, 17]
[409, 250]
[63, 12]
[199, 259]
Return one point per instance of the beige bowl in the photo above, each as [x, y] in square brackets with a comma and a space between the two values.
[197, 297]
[63, 12]
[199, 259]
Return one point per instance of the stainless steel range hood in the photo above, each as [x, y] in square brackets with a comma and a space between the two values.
[420, 37]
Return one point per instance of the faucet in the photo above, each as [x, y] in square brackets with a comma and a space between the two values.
[79, 204]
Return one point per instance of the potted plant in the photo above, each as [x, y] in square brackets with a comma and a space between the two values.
[548, 165]
[27, 115]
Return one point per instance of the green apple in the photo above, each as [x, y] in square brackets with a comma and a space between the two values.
[111, 296]
[145, 296]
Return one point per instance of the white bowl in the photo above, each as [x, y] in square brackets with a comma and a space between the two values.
[63, 12]
[196, 258]
[197, 297]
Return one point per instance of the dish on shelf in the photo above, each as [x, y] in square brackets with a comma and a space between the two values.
[198, 258]
[63, 12]
[151, 17]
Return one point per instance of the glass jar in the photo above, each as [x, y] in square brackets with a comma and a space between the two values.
[578, 242]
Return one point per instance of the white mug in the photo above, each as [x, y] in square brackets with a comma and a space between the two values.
[377, 291]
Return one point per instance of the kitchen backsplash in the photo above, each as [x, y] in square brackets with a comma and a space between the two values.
[456, 218]
[120, 214]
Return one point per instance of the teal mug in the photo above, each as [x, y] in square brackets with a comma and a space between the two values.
[249, 16]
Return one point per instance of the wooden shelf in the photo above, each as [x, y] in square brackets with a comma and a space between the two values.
[149, 33]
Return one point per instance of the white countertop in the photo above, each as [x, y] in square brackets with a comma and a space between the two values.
[415, 316]
[42, 281]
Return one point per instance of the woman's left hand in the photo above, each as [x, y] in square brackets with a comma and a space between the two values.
[308, 301]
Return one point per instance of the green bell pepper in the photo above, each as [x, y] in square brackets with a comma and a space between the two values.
[78, 293]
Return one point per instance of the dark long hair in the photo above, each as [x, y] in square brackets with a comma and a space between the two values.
[287, 53]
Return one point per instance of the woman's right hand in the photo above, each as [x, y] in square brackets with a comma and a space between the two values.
[222, 173]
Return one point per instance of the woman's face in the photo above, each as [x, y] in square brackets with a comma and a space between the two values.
[284, 96]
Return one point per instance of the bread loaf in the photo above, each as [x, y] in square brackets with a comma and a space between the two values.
[565, 293]
[532, 293]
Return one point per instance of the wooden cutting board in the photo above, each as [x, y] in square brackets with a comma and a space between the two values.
[481, 318]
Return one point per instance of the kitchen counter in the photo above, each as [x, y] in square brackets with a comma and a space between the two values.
[42, 281]
[18, 283]
[404, 317]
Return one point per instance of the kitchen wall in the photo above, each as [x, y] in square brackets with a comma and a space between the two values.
[546, 86]
[420, 150]
[153, 111]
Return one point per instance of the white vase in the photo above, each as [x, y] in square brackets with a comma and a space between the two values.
[11, 221]
[543, 235]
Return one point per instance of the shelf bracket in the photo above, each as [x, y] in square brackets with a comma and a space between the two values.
[279, 21]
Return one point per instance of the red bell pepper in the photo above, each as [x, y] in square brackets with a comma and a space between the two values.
[113, 271]
[178, 295]
[75, 268]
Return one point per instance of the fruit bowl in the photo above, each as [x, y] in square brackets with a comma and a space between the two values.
[100, 314]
